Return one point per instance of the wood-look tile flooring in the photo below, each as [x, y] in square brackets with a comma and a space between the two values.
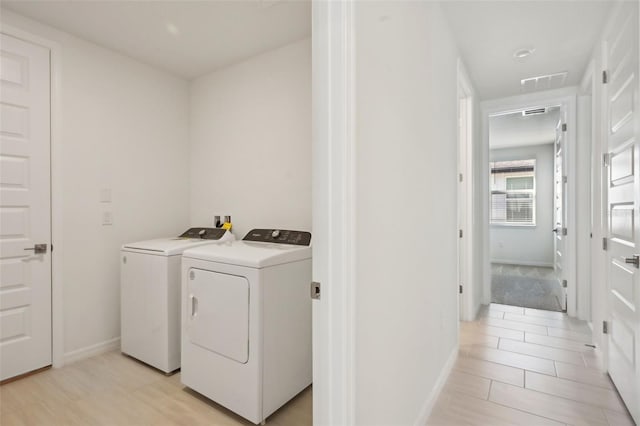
[113, 389]
[520, 366]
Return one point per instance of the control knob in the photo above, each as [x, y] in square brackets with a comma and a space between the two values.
[275, 233]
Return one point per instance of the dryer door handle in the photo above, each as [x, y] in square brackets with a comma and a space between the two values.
[194, 305]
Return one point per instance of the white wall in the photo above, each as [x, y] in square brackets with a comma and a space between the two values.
[406, 293]
[251, 142]
[528, 245]
[124, 126]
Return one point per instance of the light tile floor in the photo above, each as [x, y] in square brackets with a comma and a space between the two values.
[520, 366]
[113, 389]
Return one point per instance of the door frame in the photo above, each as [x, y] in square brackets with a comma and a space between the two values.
[466, 112]
[587, 229]
[334, 207]
[57, 290]
[567, 99]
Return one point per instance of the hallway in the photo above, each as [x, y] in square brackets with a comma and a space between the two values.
[527, 367]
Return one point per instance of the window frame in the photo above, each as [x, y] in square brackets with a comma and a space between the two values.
[507, 175]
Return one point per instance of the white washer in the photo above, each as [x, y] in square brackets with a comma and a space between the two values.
[246, 321]
[150, 295]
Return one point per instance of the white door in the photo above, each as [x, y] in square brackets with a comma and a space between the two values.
[560, 209]
[25, 206]
[462, 202]
[623, 202]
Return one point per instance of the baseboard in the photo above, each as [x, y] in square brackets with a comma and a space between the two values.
[428, 405]
[93, 350]
[522, 262]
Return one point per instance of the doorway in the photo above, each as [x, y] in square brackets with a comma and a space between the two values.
[530, 189]
[526, 203]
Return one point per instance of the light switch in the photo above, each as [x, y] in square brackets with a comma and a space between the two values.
[105, 195]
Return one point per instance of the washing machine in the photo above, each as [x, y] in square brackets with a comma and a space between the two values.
[246, 321]
[150, 295]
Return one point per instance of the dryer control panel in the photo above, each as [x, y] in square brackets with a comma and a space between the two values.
[280, 236]
[204, 233]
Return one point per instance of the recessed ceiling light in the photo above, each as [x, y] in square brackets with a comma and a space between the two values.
[173, 30]
[523, 53]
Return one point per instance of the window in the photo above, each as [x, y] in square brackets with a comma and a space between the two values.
[513, 192]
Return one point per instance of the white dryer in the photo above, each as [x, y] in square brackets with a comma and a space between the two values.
[246, 321]
[150, 295]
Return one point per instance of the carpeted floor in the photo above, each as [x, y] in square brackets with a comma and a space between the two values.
[528, 286]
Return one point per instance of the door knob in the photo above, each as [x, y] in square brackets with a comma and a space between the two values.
[633, 260]
[38, 248]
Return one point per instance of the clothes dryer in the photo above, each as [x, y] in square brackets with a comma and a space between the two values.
[150, 295]
[246, 321]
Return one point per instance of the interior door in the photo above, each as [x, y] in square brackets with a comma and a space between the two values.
[560, 208]
[623, 192]
[462, 202]
[25, 208]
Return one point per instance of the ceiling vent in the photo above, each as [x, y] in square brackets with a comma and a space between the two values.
[535, 111]
[544, 82]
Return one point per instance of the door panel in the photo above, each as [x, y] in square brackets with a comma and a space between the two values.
[218, 313]
[25, 218]
[623, 194]
[560, 206]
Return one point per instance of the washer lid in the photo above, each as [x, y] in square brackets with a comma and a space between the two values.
[172, 246]
[250, 254]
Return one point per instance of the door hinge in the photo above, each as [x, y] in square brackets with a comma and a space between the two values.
[605, 159]
[564, 127]
[315, 290]
[605, 77]
[461, 178]
[564, 231]
[605, 327]
[564, 179]
[604, 243]
[460, 233]
[51, 248]
[460, 288]
[564, 283]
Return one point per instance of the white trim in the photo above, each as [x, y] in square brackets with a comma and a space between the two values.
[57, 290]
[466, 96]
[333, 184]
[584, 264]
[431, 400]
[565, 97]
[522, 262]
[91, 351]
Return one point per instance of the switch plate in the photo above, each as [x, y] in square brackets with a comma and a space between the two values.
[107, 218]
[105, 195]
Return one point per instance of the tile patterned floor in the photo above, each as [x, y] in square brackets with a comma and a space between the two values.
[520, 366]
[112, 390]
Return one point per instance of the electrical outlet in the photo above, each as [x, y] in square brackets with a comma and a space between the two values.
[219, 219]
[107, 218]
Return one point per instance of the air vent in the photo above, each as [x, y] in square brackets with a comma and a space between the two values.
[535, 111]
[544, 82]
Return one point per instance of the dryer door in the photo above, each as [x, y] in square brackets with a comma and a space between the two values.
[218, 313]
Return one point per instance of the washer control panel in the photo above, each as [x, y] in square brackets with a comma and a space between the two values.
[204, 233]
[280, 236]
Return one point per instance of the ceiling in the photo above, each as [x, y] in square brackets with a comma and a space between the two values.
[563, 33]
[515, 130]
[192, 38]
[186, 38]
